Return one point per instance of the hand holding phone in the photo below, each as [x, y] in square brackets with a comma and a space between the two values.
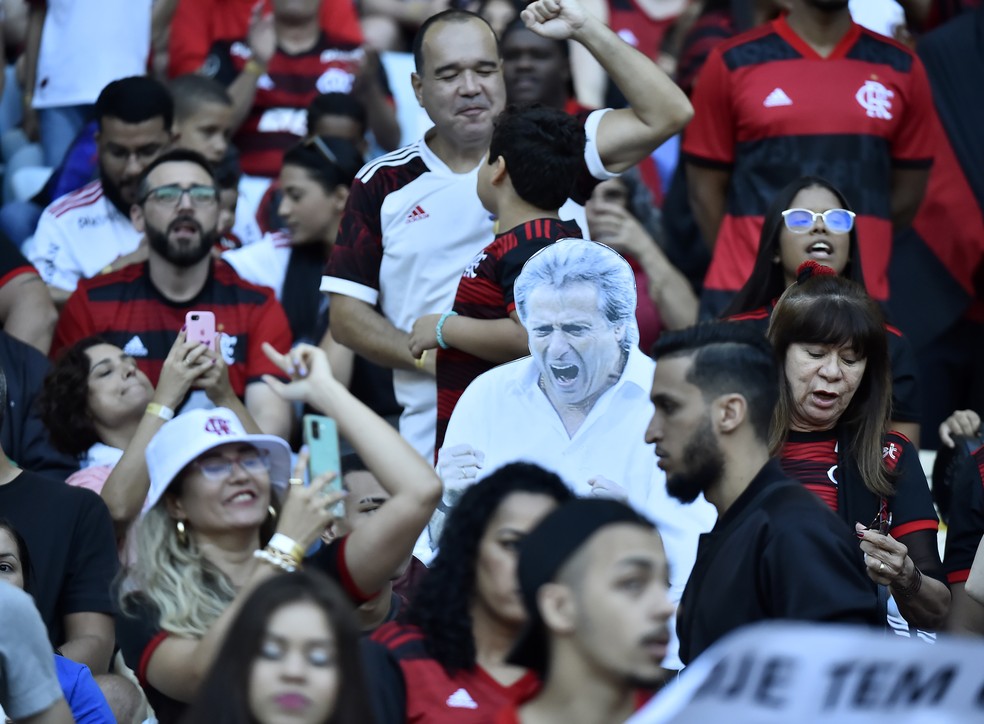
[321, 438]
[200, 327]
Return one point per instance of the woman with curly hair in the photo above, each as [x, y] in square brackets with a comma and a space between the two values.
[811, 220]
[292, 654]
[445, 661]
[99, 406]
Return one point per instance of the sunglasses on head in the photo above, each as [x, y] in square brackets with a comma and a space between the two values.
[800, 221]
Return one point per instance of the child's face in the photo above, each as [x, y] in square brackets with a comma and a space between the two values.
[206, 131]
[228, 198]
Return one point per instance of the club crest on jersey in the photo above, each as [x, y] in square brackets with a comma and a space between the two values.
[876, 100]
[227, 345]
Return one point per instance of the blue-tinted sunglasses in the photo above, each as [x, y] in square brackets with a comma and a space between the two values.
[800, 221]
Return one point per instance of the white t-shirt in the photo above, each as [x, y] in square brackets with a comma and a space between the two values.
[264, 262]
[86, 44]
[78, 235]
[432, 225]
[505, 415]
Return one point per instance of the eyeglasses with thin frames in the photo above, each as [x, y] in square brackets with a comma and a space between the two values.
[219, 467]
[170, 195]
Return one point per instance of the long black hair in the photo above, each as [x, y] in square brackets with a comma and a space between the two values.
[441, 606]
[224, 699]
[767, 280]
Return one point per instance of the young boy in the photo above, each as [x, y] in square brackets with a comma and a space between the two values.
[535, 158]
[202, 116]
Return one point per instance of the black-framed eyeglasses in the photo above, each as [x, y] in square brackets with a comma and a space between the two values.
[219, 467]
[171, 194]
[883, 521]
[800, 221]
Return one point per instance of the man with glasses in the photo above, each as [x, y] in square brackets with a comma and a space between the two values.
[776, 551]
[89, 231]
[141, 308]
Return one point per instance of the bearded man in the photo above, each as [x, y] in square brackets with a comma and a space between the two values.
[141, 308]
[776, 551]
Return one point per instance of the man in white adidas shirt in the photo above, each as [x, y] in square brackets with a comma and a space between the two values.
[414, 220]
[89, 231]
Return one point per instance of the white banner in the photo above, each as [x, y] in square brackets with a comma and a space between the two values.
[782, 673]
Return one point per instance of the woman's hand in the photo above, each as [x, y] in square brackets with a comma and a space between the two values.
[185, 363]
[886, 561]
[307, 509]
[311, 378]
[215, 379]
[423, 335]
[961, 422]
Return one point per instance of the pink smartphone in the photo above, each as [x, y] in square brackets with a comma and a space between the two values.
[201, 328]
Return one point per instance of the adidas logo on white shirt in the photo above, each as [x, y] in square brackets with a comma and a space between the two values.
[135, 347]
[777, 97]
[461, 699]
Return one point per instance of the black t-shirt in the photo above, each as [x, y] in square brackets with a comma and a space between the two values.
[138, 630]
[70, 536]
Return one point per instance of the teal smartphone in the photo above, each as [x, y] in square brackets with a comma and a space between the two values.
[321, 437]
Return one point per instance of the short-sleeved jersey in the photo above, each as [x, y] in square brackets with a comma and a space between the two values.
[485, 291]
[905, 383]
[139, 632]
[966, 523]
[410, 687]
[278, 117]
[637, 28]
[79, 235]
[411, 225]
[769, 109]
[125, 308]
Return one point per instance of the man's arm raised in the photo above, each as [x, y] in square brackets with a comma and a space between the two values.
[657, 107]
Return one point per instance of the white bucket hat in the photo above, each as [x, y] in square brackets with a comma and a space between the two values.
[192, 433]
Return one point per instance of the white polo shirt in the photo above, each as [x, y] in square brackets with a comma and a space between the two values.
[78, 235]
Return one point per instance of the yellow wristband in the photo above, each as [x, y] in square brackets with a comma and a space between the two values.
[419, 363]
[162, 411]
[255, 67]
[287, 546]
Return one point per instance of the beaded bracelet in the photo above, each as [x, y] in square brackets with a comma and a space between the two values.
[276, 558]
[912, 589]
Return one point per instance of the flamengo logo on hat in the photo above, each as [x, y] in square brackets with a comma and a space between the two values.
[876, 99]
[218, 426]
[461, 699]
[777, 97]
[417, 214]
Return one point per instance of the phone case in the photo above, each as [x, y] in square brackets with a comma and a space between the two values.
[200, 327]
[321, 438]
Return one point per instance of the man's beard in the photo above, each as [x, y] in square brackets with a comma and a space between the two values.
[180, 257]
[703, 463]
[114, 194]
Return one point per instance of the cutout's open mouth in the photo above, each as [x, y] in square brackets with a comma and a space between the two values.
[565, 373]
[821, 247]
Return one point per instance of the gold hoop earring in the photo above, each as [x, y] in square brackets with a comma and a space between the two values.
[182, 533]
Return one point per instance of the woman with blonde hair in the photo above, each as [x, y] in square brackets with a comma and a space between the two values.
[211, 532]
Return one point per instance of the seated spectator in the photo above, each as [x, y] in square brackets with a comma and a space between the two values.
[275, 71]
[620, 214]
[202, 116]
[292, 654]
[197, 24]
[86, 701]
[31, 693]
[830, 431]
[101, 408]
[314, 181]
[227, 178]
[141, 308]
[23, 434]
[89, 231]
[535, 157]
[70, 536]
[446, 664]
[794, 231]
[211, 492]
[26, 310]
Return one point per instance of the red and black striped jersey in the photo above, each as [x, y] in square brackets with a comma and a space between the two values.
[769, 109]
[278, 117]
[966, 522]
[126, 309]
[485, 291]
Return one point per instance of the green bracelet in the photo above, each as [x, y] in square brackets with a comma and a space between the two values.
[440, 328]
